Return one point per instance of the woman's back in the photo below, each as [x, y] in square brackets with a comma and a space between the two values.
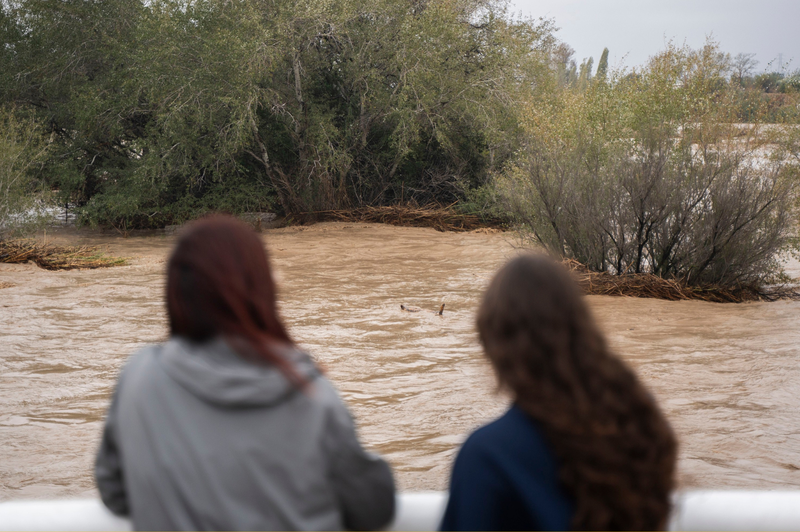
[208, 440]
[227, 425]
[506, 478]
[614, 448]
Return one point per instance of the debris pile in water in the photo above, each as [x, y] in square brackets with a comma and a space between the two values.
[649, 285]
[439, 217]
[52, 257]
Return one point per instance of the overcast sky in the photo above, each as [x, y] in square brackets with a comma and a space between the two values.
[634, 30]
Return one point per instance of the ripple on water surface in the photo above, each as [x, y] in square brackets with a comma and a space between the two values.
[726, 375]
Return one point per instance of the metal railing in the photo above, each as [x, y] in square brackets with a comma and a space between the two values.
[694, 510]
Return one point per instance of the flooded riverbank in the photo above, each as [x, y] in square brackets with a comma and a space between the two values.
[728, 376]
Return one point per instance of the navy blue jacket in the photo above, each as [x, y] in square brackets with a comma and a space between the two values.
[506, 478]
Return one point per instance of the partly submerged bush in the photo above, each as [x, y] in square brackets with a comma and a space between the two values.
[22, 150]
[648, 173]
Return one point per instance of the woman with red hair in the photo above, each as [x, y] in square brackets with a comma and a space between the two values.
[228, 425]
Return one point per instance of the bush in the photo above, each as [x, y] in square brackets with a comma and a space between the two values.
[161, 109]
[22, 150]
[649, 173]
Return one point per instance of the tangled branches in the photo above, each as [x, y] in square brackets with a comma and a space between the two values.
[441, 218]
[649, 285]
[51, 257]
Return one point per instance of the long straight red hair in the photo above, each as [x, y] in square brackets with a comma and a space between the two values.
[219, 283]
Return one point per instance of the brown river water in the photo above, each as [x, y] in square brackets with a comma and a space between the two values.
[727, 375]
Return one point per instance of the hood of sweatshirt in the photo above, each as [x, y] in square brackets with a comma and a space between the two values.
[214, 372]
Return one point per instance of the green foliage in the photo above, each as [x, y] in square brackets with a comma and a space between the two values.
[22, 151]
[602, 65]
[408, 102]
[649, 172]
[161, 109]
[585, 74]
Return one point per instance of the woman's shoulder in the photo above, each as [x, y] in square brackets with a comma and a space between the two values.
[139, 362]
[512, 424]
[506, 478]
[514, 434]
[140, 358]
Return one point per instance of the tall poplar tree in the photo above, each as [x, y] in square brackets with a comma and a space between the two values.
[602, 65]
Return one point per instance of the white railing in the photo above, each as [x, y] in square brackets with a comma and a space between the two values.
[736, 510]
[694, 510]
[415, 511]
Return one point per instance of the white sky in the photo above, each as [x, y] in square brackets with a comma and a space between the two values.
[634, 30]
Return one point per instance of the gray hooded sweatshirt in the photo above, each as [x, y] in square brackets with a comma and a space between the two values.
[198, 438]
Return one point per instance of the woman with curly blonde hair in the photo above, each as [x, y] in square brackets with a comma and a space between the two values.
[584, 445]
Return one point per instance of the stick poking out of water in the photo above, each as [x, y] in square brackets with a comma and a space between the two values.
[418, 309]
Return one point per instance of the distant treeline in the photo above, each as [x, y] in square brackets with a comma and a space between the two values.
[761, 97]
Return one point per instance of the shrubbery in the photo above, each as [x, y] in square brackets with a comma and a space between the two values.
[649, 172]
[161, 109]
[143, 113]
[22, 151]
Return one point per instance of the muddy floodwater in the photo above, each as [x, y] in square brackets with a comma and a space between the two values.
[728, 376]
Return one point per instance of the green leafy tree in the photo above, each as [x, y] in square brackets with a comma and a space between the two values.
[585, 74]
[22, 151]
[602, 65]
[161, 109]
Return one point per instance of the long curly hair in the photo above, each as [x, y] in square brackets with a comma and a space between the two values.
[615, 448]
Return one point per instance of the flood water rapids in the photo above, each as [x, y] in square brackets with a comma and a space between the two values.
[727, 375]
